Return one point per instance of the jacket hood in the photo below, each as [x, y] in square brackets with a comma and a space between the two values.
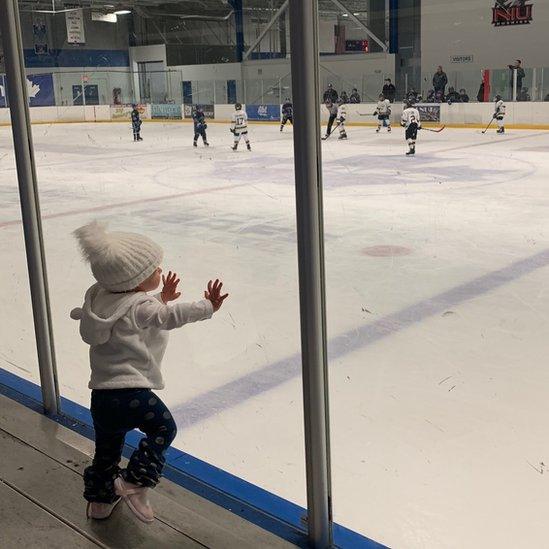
[100, 312]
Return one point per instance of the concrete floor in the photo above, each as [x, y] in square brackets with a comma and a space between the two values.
[41, 502]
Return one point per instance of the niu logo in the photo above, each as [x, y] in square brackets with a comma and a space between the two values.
[511, 12]
[262, 110]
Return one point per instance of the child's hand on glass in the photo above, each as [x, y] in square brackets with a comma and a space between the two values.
[213, 294]
[169, 289]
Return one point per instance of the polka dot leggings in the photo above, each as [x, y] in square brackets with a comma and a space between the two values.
[115, 413]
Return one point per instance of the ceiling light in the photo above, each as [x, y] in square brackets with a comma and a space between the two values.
[122, 12]
[345, 15]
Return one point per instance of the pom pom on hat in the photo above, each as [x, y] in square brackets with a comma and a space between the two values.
[119, 261]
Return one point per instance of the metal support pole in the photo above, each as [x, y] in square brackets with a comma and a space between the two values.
[258, 40]
[30, 208]
[310, 239]
[239, 27]
[393, 26]
[515, 80]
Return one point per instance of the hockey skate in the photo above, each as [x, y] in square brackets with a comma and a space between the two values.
[343, 136]
[195, 144]
[139, 138]
[501, 130]
[389, 129]
[378, 128]
[411, 152]
[206, 144]
[249, 146]
[234, 147]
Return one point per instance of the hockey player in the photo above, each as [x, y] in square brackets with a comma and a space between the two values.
[136, 124]
[410, 120]
[239, 127]
[287, 113]
[199, 120]
[383, 111]
[332, 110]
[341, 117]
[499, 113]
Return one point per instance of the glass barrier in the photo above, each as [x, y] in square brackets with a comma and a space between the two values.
[17, 342]
[229, 377]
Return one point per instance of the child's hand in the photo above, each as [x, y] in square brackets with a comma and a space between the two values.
[169, 291]
[213, 294]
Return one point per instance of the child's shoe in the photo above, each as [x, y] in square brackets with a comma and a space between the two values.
[100, 511]
[136, 497]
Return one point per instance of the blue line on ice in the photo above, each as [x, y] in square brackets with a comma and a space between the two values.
[226, 396]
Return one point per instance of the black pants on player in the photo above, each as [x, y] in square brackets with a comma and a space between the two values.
[200, 132]
[331, 121]
[411, 132]
[136, 128]
[286, 119]
[115, 413]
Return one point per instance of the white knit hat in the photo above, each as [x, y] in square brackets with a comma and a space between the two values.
[119, 261]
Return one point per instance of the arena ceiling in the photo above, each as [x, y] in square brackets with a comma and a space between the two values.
[185, 9]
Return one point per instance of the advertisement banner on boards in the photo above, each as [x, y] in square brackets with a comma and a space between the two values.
[123, 112]
[208, 110]
[428, 112]
[263, 112]
[167, 111]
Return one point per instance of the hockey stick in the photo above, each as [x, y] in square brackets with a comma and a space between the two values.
[333, 130]
[489, 124]
[435, 130]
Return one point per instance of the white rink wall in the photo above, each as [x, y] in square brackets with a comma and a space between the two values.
[528, 114]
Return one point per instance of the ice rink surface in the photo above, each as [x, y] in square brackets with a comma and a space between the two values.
[438, 299]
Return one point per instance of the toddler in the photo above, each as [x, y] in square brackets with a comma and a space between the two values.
[127, 331]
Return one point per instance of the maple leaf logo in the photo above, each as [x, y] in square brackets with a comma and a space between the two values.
[32, 89]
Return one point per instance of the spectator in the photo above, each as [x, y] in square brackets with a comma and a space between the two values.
[354, 97]
[440, 80]
[453, 96]
[480, 94]
[414, 96]
[439, 97]
[430, 97]
[520, 76]
[524, 95]
[344, 98]
[330, 95]
[463, 97]
[389, 90]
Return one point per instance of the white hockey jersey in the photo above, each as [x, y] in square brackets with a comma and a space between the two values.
[500, 108]
[342, 112]
[383, 107]
[240, 121]
[410, 116]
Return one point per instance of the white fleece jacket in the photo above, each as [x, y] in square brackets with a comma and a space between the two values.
[128, 333]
